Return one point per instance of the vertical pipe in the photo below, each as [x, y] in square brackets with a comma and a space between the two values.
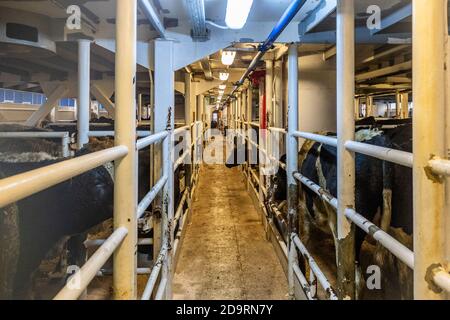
[345, 25]
[188, 121]
[249, 127]
[428, 141]
[139, 108]
[269, 92]
[125, 187]
[292, 142]
[405, 105]
[292, 150]
[84, 99]
[398, 105]
[278, 95]
[357, 106]
[165, 120]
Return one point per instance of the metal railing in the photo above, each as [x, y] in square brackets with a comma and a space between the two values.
[64, 136]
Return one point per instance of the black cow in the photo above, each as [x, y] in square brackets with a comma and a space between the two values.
[377, 182]
[31, 227]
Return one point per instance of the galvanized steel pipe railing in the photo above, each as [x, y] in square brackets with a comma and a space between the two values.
[155, 138]
[20, 186]
[100, 134]
[64, 136]
[396, 156]
[81, 279]
[394, 246]
[315, 268]
[150, 286]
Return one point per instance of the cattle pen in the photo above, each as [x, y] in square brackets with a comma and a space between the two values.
[214, 175]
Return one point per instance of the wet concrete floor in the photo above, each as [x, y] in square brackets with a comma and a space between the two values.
[225, 254]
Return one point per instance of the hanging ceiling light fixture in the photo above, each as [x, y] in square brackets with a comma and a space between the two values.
[224, 76]
[222, 87]
[221, 92]
[228, 57]
[237, 13]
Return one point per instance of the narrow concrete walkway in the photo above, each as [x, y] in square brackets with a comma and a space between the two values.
[225, 254]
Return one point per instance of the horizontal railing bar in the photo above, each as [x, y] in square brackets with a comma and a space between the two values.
[440, 166]
[387, 241]
[330, 141]
[89, 270]
[254, 175]
[278, 214]
[303, 282]
[181, 159]
[34, 134]
[180, 207]
[155, 138]
[391, 244]
[279, 130]
[442, 279]
[178, 235]
[315, 268]
[150, 286]
[395, 156]
[151, 195]
[98, 242]
[326, 196]
[109, 272]
[25, 184]
[253, 124]
[181, 129]
[99, 134]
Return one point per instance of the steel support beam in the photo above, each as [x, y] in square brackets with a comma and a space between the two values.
[84, 97]
[429, 33]
[126, 177]
[150, 13]
[196, 10]
[165, 120]
[316, 16]
[394, 18]
[292, 150]
[103, 99]
[345, 26]
[46, 108]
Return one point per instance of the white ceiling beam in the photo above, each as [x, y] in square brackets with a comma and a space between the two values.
[321, 11]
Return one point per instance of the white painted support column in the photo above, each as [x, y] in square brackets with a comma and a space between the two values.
[188, 118]
[46, 108]
[165, 120]
[84, 98]
[278, 95]
[249, 127]
[357, 108]
[398, 105]
[103, 99]
[269, 92]
[429, 28]
[345, 25]
[292, 152]
[187, 99]
[370, 107]
[405, 105]
[126, 177]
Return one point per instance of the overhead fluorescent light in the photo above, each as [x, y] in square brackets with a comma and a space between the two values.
[222, 87]
[221, 92]
[228, 57]
[237, 13]
[224, 76]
